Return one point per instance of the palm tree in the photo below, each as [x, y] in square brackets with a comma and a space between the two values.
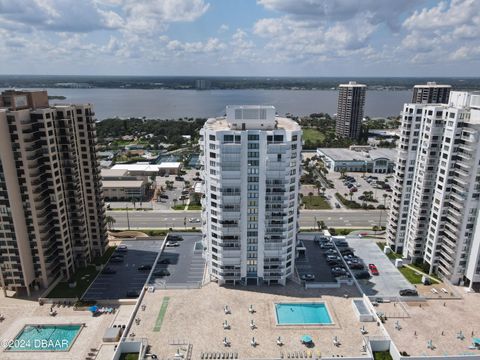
[385, 200]
[318, 186]
[323, 191]
[110, 220]
[175, 202]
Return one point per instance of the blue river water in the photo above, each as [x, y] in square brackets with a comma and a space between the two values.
[173, 104]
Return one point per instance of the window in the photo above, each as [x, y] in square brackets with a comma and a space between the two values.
[212, 137]
[253, 137]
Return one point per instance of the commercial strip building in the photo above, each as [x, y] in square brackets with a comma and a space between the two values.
[119, 185]
[434, 215]
[351, 101]
[251, 162]
[358, 159]
[147, 169]
[51, 204]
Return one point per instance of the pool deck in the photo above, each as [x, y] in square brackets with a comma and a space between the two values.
[19, 312]
[423, 321]
[196, 317]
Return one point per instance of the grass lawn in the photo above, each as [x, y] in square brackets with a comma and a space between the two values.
[411, 275]
[382, 355]
[129, 356]
[106, 255]
[313, 136]
[178, 207]
[315, 202]
[195, 207]
[62, 290]
[391, 255]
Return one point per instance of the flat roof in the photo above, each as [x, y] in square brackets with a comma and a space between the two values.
[122, 183]
[350, 155]
[169, 165]
[137, 167]
[113, 172]
[221, 123]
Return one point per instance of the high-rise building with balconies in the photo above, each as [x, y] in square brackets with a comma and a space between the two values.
[351, 102]
[51, 203]
[434, 215]
[431, 93]
[251, 161]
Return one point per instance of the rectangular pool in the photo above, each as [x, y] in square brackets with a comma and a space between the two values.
[302, 314]
[45, 338]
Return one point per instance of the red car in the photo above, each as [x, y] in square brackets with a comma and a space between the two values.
[373, 269]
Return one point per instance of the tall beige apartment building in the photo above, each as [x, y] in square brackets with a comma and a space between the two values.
[52, 218]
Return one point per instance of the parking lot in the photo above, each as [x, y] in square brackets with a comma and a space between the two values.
[176, 191]
[361, 185]
[125, 276]
[184, 263]
[389, 281]
[313, 261]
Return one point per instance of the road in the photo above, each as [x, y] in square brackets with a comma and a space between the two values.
[308, 218]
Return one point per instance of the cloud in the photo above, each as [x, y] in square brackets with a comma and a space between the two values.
[212, 45]
[438, 33]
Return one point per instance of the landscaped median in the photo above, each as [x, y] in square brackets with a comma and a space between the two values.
[313, 202]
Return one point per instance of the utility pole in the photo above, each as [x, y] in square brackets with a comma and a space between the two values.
[128, 220]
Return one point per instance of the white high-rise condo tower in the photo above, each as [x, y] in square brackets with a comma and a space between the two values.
[251, 161]
[434, 216]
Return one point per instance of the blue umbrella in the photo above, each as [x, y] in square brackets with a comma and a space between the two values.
[93, 308]
[306, 339]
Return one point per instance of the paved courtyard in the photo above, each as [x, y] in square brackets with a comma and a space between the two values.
[438, 320]
[193, 319]
[20, 312]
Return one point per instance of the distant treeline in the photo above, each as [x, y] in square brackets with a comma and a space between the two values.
[158, 131]
[189, 82]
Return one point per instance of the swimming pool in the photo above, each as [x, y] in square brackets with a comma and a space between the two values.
[45, 338]
[302, 314]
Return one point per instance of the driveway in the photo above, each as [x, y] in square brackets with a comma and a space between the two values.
[389, 281]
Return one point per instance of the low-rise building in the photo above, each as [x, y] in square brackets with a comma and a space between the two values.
[120, 185]
[375, 160]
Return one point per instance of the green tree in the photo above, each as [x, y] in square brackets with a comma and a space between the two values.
[110, 220]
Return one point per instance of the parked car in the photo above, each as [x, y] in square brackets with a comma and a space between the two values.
[161, 273]
[328, 245]
[341, 243]
[122, 248]
[133, 293]
[334, 263]
[331, 252]
[108, 271]
[346, 252]
[307, 277]
[333, 257]
[145, 267]
[172, 237]
[172, 244]
[179, 178]
[337, 205]
[116, 259]
[163, 196]
[353, 189]
[356, 266]
[408, 292]
[373, 269]
[364, 274]
[194, 220]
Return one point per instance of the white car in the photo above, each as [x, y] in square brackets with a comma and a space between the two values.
[194, 220]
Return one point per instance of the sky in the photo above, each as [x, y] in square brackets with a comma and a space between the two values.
[240, 37]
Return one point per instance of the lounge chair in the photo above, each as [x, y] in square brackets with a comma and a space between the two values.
[236, 355]
[201, 355]
[288, 355]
